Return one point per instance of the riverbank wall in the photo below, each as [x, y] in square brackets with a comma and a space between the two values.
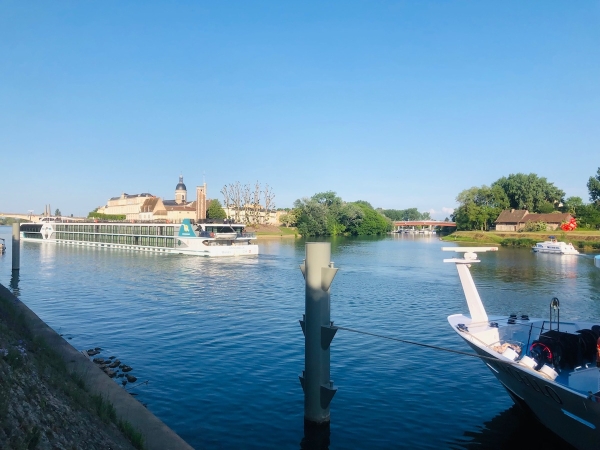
[155, 434]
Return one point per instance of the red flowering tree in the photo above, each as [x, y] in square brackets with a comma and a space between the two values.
[570, 225]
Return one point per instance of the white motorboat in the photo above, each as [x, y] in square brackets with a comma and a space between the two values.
[554, 246]
[547, 366]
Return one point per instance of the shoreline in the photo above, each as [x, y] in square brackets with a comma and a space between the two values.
[37, 340]
[586, 241]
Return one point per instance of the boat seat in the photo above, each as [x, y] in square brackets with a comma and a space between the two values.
[590, 339]
[568, 349]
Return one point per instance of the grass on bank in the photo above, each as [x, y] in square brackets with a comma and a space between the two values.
[53, 370]
[273, 231]
[583, 240]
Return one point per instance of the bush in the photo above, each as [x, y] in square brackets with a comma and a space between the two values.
[521, 243]
[534, 226]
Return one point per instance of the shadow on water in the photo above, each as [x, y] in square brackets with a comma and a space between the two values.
[512, 428]
[316, 437]
[14, 283]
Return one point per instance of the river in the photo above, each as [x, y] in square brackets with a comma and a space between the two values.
[220, 344]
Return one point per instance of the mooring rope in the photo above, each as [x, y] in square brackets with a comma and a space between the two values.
[431, 346]
[133, 386]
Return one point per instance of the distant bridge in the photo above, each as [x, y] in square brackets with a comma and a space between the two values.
[35, 217]
[400, 225]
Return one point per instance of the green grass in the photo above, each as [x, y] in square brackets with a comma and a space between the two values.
[52, 368]
[584, 239]
[135, 437]
[282, 231]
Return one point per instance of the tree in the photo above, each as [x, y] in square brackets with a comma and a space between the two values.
[529, 191]
[352, 215]
[215, 210]
[240, 198]
[325, 214]
[572, 203]
[290, 218]
[269, 198]
[588, 216]
[371, 223]
[546, 208]
[593, 186]
[313, 218]
[405, 214]
[479, 207]
[57, 212]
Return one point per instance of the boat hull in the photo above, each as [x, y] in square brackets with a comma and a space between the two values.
[557, 252]
[551, 403]
[241, 250]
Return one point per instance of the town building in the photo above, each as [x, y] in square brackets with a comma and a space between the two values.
[516, 219]
[147, 207]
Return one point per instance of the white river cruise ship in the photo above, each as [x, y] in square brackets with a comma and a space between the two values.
[201, 239]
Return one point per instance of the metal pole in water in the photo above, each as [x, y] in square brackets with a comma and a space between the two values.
[318, 331]
[16, 246]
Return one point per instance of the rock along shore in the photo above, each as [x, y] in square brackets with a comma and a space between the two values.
[53, 397]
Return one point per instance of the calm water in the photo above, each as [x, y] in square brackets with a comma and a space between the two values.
[220, 343]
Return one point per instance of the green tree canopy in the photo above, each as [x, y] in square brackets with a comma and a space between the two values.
[406, 214]
[572, 203]
[314, 218]
[588, 216]
[325, 214]
[215, 210]
[371, 223]
[479, 207]
[593, 186]
[529, 192]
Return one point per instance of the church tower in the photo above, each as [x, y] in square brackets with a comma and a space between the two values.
[201, 202]
[180, 192]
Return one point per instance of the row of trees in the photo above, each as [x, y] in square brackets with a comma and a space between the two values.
[326, 214]
[246, 203]
[405, 214]
[479, 207]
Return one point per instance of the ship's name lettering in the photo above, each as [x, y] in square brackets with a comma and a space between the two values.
[531, 382]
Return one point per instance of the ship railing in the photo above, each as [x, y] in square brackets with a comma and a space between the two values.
[231, 235]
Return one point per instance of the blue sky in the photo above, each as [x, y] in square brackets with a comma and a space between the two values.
[400, 103]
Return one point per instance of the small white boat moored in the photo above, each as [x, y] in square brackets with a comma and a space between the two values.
[554, 246]
[548, 367]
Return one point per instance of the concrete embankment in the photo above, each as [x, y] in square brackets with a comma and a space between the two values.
[156, 435]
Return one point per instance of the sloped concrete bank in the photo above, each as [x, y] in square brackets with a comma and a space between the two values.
[156, 435]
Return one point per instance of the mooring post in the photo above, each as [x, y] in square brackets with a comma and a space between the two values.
[318, 331]
[16, 246]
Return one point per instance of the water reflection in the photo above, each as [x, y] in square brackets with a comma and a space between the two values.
[316, 437]
[14, 283]
[213, 334]
[512, 428]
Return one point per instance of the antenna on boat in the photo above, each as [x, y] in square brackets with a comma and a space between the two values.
[474, 302]
[555, 306]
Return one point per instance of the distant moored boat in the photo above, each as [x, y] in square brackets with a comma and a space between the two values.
[553, 246]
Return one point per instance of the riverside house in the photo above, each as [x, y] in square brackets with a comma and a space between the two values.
[516, 219]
